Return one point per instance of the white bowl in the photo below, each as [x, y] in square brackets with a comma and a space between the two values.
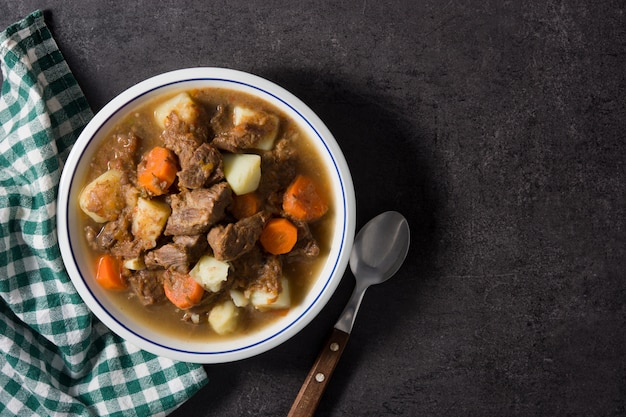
[149, 339]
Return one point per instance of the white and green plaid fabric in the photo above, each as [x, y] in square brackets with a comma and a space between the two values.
[57, 358]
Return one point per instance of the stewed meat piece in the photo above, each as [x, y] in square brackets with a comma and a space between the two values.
[179, 255]
[237, 140]
[148, 286]
[249, 130]
[203, 168]
[116, 237]
[195, 211]
[279, 169]
[235, 239]
[268, 277]
[254, 271]
[245, 268]
[184, 138]
[306, 247]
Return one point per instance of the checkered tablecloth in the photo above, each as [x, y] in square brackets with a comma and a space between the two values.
[57, 358]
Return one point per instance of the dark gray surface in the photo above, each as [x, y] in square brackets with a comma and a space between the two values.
[496, 127]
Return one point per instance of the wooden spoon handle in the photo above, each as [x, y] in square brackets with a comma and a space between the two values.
[315, 383]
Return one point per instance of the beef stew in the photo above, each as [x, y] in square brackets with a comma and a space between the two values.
[178, 197]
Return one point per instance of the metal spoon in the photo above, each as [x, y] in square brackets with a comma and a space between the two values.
[379, 250]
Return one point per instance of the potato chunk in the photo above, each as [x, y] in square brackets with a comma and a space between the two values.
[149, 219]
[182, 104]
[223, 317]
[242, 172]
[135, 264]
[210, 273]
[239, 298]
[264, 123]
[103, 198]
[262, 300]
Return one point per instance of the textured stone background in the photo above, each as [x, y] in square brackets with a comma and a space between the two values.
[496, 127]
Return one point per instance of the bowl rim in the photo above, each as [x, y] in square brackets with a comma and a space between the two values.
[268, 90]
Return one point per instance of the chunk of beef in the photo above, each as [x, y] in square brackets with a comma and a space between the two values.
[148, 286]
[279, 169]
[203, 168]
[117, 230]
[180, 255]
[129, 249]
[226, 137]
[196, 245]
[245, 268]
[116, 237]
[306, 248]
[195, 211]
[233, 240]
[268, 278]
[184, 138]
[168, 256]
[237, 139]
[246, 135]
[220, 122]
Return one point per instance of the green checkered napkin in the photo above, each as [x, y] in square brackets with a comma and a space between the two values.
[57, 358]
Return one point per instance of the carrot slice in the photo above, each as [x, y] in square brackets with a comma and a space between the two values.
[245, 205]
[303, 200]
[109, 273]
[279, 236]
[182, 290]
[157, 170]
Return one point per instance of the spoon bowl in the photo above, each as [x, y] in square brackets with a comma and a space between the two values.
[380, 247]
